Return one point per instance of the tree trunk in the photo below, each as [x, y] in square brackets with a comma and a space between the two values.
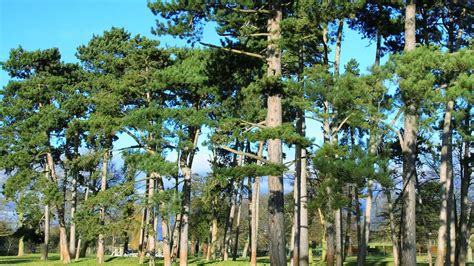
[183, 242]
[64, 253]
[79, 242]
[103, 187]
[72, 229]
[445, 179]
[295, 238]
[409, 154]
[393, 233]
[75, 173]
[466, 171]
[176, 237]
[274, 119]
[21, 247]
[347, 233]
[366, 227]
[164, 228]
[152, 219]
[45, 251]
[186, 162]
[212, 246]
[229, 224]
[304, 241]
[143, 225]
[237, 229]
[63, 243]
[255, 212]
[338, 227]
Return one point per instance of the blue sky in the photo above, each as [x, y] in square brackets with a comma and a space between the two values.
[66, 24]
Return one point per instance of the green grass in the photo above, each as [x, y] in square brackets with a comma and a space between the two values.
[34, 259]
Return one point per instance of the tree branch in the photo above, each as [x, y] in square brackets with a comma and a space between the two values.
[250, 155]
[233, 50]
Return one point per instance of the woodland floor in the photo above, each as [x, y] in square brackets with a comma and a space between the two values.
[34, 259]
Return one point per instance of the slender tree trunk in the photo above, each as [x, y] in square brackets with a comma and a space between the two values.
[409, 154]
[466, 172]
[186, 162]
[255, 212]
[183, 242]
[152, 221]
[393, 233]
[339, 234]
[347, 233]
[45, 251]
[103, 187]
[142, 240]
[237, 229]
[21, 244]
[452, 221]
[229, 224]
[295, 234]
[64, 253]
[274, 119]
[245, 251]
[176, 237]
[304, 241]
[366, 227]
[72, 229]
[164, 228]
[79, 242]
[445, 179]
[212, 246]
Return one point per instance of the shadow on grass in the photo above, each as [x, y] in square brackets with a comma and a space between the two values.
[11, 260]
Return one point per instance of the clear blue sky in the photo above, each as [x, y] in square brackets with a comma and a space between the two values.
[66, 24]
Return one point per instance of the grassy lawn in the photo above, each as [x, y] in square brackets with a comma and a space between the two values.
[54, 260]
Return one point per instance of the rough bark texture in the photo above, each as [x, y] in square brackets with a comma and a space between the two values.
[274, 119]
[445, 172]
[409, 154]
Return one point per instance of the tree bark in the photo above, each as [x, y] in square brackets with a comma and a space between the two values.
[143, 225]
[409, 154]
[366, 227]
[466, 172]
[45, 251]
[274, 119]
[393, 233]
[152, 219]
[79, 242]
[164, 228]
[186, 162]
[21, 243]
[64, 253]
[255, 212]
[103, 187]
[445, 180]
[237, 229]
[229, 223]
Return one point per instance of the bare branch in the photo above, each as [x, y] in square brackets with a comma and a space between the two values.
[233, 50]
[250, 155]
[341, 124]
